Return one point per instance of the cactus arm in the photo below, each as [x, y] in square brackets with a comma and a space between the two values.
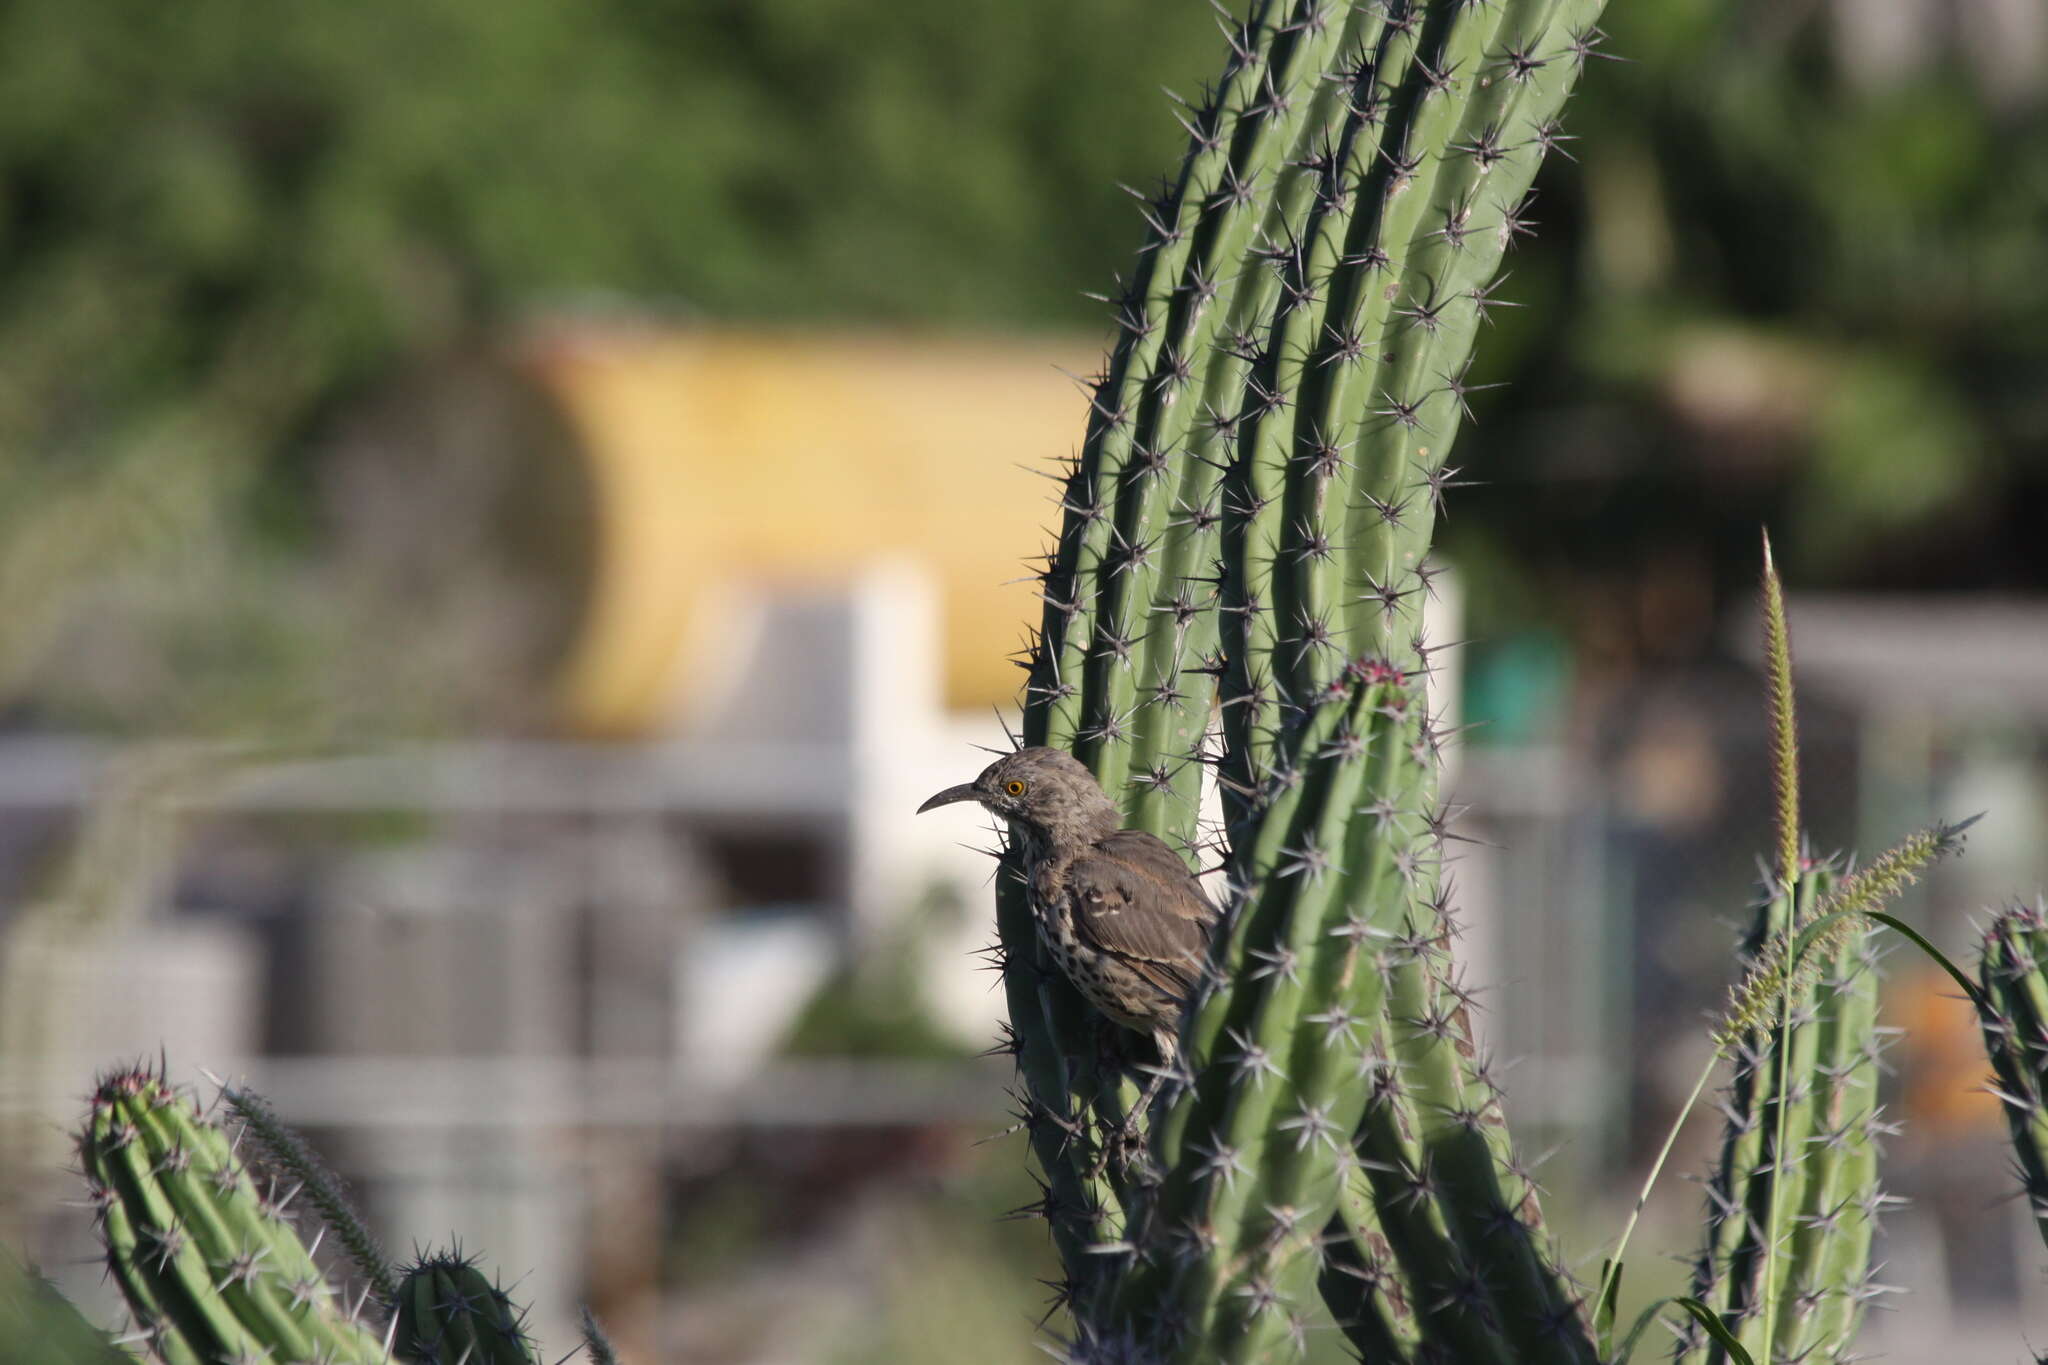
[1832, 1232]
[1052, 1034]
[317, 1185]
[1456, 1313]
[1727, 1273]
[1441, 237]
[1365, 1283]
[2012, 1011]
[1169, 497]
[1233, 1239]
[451, 1313]
[39, 1326]
[1460, 1212]
[1058, 710]
[1813, 1213]
[228, 1234]
[209, 1266]
[188, 1252]
[1490, 1200]
[126, 1255]
[1119, 532]
[1115, 621]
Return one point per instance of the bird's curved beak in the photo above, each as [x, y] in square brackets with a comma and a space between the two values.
[964, 792]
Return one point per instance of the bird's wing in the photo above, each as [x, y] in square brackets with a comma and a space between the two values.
[1134, 897]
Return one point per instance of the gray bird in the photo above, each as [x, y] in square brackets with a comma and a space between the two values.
[1118, 910]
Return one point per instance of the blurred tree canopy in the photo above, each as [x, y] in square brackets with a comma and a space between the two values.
[257, 206]
[1795, 274]
[223, 223]
[1796, 271]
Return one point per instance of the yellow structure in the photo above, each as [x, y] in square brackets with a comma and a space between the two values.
[724, 459]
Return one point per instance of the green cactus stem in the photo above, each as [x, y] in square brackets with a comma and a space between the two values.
[451, 1313]
[1248, 521]
[39, 1326]
[1124, 669]
[1253, 1151]
[2012, 1009]
[1455, 1222]
[211, 1265]
[1804, 1086]
[318, 1187]
[1793, 1202]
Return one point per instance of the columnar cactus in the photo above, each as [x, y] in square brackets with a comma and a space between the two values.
[1245, 535]
[1248, 523]
[215, 1272]
[2012, 1008]
[1804, 1180]
[210, 1263]
[451, 1313]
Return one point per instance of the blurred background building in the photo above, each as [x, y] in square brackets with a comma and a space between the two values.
[505, 510]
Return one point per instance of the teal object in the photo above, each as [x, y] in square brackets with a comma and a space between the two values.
[1516, 687]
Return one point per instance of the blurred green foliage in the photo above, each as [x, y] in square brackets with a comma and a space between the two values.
[877, 1004]
[237, 204]
[221, 224]
[1795, 274]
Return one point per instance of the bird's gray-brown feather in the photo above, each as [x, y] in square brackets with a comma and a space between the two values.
[1133, 896]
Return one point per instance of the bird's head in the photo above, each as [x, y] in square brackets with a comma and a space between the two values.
[1047, 789]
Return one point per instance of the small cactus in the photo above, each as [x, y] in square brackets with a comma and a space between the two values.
[451, 1313]
[210, 1263]
[2012, 1009]
[1793, 1202]
[1817, 1204]
[215, 1272]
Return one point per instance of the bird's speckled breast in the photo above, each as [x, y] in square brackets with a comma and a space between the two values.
[1109, 985]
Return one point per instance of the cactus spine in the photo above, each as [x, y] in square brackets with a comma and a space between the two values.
[1248, 523]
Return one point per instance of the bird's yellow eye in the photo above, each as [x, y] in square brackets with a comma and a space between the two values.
[1014, 787]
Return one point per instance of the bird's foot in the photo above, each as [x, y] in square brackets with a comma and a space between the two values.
[1125, 1146]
